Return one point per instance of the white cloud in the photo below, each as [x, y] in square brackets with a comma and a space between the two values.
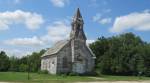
[97, 17]
[3, 26]
[93, 3]
[137, 21]
[105, 21]
[16, 52]
[56, 31]
[17, 1]
[34, 41]
[147, 11]
[31, 20]
[59, 3]
[90, 41]
[106, 10]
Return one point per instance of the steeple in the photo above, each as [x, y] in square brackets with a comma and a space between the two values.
[77, 16]
[77, 27]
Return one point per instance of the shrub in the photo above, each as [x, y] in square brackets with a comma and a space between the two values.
[43, 72]
[73, 74]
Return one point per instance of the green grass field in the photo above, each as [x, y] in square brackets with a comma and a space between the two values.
[45, 78]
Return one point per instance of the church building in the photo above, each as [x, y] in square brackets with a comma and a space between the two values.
[72, 55]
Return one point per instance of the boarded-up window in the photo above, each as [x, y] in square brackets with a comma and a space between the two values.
[79, 58]
[65, 62]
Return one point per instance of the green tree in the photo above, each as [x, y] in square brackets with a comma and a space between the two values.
[125, 54]
[35, 60]
[23, 67]
[14, 64]
[4, 61]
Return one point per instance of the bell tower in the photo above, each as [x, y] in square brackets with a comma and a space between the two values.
[78, 40]
[77, 32]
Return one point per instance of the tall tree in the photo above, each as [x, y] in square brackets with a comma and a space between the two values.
[4, 61]
[125, 54]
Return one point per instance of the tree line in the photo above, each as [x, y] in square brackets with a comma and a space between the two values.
[27, 63]
[125, 54]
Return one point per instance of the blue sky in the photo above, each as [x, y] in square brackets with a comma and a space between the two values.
[31, 25]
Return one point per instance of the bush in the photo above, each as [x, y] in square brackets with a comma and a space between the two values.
[63, 75]
[98, 73]
[92, 74]
[23, 67]
[147, 73]
[43, 72]
[73, 74]
[77, 74]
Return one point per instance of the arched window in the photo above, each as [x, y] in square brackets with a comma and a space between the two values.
[65, 62]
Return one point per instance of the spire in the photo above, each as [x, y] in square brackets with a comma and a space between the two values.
[77, 26]
[77, 16]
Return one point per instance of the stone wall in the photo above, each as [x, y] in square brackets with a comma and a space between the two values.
[61, 62]
[49, 63]
[80, 49]
[64, 59]
[90, 59]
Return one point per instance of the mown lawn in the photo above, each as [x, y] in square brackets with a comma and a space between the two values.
[124, 78]
[40, 78]
[45, 78]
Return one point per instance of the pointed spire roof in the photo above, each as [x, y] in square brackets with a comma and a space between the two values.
[77, 15]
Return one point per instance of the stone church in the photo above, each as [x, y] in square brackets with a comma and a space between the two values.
[72, 55]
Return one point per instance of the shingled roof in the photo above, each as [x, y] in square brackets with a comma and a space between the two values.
[56, 48]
